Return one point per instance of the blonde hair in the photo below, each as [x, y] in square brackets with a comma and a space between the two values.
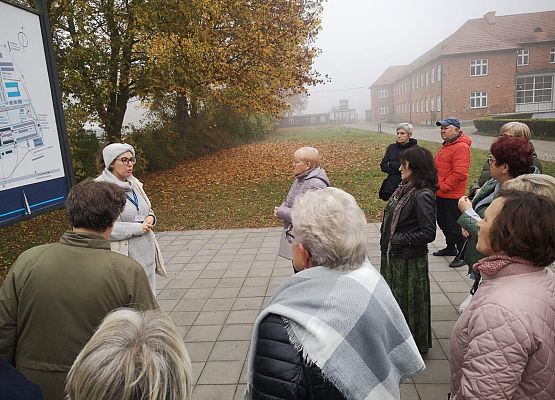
[310, 155]
[133, 355]
[518, 129]
[541, 184]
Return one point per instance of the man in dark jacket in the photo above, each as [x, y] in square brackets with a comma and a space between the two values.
[55, 295]
[390, 163]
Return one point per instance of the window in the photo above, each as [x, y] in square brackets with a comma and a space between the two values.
[427, 105]
[432, 75]
[438, 103]
[552, 55]
[422, 79]
[534, 89]
[478, 67]
[413, 106]
[418, 81]
[421, 105]
[383, 110]
[522, 57]
[478, 99]
[413, 83]
[427, 78]
[432, 105]
[417, 106]
[382, 93]
[439, 73]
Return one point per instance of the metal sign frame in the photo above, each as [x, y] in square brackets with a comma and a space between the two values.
[26, 201]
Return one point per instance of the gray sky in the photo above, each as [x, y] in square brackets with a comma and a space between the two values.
[361, 38]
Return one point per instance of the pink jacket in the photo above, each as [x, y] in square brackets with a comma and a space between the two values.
[503, 345]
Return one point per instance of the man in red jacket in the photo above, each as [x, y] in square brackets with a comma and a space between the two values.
[452, 162]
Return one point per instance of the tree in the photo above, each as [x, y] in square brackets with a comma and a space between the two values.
[95, 44]
[247, 56]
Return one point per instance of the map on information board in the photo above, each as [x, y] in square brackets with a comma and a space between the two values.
[33, 149]
[29, 150]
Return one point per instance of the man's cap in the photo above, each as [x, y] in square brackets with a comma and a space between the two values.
[449, 121]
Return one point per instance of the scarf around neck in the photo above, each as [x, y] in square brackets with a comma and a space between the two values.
[491, 265]
[349, 324]
[402, 195]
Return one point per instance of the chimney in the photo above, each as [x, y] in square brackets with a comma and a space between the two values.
[539, 34]
[490, 17]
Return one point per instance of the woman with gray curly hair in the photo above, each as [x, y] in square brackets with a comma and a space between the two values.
[333, 330]
[132, 356]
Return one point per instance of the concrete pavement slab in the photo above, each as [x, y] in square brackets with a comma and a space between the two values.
[220, 281]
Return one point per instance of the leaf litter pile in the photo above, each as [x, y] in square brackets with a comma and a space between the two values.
[236, 187]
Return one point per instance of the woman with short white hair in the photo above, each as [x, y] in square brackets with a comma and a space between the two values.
[390, 163]
[334, 330]
[309, 175]
[132, 356]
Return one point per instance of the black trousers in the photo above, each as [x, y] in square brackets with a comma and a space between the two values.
[447, 215]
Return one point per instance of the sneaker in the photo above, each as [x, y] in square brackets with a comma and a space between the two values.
[456, 263]
[448, 251]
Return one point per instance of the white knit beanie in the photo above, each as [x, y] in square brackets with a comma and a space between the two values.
[110, 152]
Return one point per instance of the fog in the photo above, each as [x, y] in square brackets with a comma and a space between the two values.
[361, 38]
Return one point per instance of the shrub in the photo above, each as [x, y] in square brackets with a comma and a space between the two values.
[541, 128]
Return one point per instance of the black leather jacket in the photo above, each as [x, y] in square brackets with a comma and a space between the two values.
[416, 227]
[390, 165]
[280, 373]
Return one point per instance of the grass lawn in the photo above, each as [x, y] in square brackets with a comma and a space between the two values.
[239, 187]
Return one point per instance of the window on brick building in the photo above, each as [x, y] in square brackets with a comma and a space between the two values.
[478, 67]
[478, 99]
[421, 105]
[438, 103]
[427, 78]
[383, 110]
[432, 75]
[432, 103]
[413, 83]
[534, 89]
[422, 79]
[418, 81]
[522, 57]
[439, 72]
[417, 106]
[427, 105]
[552, 55]
[382, 93]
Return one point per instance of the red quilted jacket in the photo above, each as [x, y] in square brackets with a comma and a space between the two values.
[452, 163]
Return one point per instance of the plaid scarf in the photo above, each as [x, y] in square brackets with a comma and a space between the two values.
[348, 324]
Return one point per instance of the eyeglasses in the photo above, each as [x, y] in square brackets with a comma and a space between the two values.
[127, 161]
[288, 235]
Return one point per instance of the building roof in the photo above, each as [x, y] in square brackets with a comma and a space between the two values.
[490, 33]
[390, 75]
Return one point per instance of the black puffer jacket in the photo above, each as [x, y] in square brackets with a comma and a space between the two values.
[390, 165]
[415, 229]
[280, 373]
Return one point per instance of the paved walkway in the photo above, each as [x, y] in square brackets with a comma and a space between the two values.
[544, 148]
[220, 280]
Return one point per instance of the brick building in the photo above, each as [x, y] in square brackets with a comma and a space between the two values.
[490, 65]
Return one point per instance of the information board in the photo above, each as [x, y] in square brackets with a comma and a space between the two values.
[35, 167]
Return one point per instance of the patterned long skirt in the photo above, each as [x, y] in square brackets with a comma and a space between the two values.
[410, 285]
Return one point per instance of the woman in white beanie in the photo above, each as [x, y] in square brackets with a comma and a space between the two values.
[132, 234]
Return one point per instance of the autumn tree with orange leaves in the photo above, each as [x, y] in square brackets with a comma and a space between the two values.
[246, 57]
